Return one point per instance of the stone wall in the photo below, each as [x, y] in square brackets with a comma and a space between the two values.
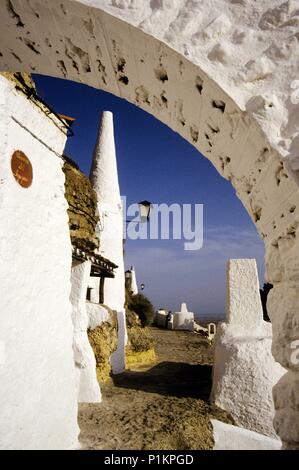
[140, 347]
[102, 335]
[82, 210]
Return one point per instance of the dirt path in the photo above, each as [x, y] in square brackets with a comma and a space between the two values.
[160, 406]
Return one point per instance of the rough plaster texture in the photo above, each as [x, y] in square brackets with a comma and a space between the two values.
[228, 437]
[161, 55]
[241, 44]
[97, 314]
[243, 298]
[37, 379]
[87, 384]
[244, 373]
[244, 370]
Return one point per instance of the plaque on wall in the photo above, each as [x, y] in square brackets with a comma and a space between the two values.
[21, 169]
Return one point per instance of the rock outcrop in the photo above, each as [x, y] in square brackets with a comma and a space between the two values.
[82, 211]
[102, 335]
[140, 348]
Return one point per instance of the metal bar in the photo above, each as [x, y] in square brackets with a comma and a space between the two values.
[102, 282]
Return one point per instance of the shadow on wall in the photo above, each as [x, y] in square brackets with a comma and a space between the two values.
[176, 379]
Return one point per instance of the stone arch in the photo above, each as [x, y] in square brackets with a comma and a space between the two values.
[243, 137]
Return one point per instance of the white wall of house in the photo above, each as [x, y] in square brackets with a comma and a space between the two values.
[37, 376]
[85, 363]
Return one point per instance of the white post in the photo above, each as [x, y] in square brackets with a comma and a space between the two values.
[244, 369]
[118, 360]
[244, 307]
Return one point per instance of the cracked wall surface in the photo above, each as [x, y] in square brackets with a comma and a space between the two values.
[222, 74]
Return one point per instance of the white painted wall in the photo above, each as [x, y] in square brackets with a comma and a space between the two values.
[97, 314]
[37, 379]
[85, 363]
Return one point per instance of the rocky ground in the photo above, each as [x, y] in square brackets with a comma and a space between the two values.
[159, 406]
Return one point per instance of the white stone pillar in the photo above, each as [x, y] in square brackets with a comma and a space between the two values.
[118, 359]
[244, 370]
[88, 386]
[244, 308]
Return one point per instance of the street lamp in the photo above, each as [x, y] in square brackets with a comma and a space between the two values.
[145, 208]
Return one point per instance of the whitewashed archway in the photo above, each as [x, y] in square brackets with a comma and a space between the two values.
[225, 82]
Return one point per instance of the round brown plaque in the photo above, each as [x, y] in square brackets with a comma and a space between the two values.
[22, 169]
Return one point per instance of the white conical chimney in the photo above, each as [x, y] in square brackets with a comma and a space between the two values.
[104, 179]
[134, 288]
[103, 173]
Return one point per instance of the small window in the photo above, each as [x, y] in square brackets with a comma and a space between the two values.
[88, 293]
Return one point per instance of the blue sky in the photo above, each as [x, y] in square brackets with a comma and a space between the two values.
[156, 164]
